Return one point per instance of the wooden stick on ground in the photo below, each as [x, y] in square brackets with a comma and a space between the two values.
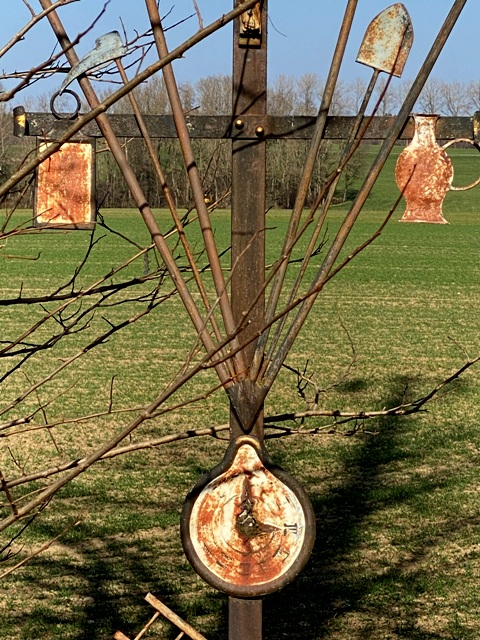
[147, 626]
[167, 613]
[176, 620]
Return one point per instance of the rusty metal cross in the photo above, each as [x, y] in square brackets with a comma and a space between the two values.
[249, 127]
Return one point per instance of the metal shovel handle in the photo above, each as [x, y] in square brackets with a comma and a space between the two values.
[475, 144]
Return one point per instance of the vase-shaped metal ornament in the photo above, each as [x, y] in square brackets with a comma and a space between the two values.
[424, 173]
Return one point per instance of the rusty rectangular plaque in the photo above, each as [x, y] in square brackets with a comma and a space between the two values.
[65, 187]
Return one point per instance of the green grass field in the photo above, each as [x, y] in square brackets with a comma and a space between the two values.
[397, 554]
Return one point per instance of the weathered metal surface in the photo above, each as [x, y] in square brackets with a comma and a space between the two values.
[474, 143]
[388, 40]
[424, 173]
[19, 121]
[108, 47]
[476, 126]
[62, 115]
[250, 31]
[244, 619]
[223, 127]
[248, 201]
[65, 187]
[246, 526]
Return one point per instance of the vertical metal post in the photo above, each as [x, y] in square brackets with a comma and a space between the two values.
[244, 619]
[248, 234]
[248, 178]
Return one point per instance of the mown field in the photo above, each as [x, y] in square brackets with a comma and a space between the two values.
[397, 554]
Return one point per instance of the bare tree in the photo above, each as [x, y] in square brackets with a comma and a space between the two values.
[356, 92]
[386, 94]
[431, 99]
[282, 98]
[340, 102]
[473, 91]
[454, 98]
[309, 91]
[151, 96]
[182, 264]
[188, 95]
[214, 95]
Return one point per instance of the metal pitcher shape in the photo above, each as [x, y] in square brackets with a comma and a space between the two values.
[424, 173]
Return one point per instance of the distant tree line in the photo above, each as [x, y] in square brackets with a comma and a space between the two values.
[288, 95]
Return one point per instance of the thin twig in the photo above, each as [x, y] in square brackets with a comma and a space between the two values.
[199, 15]
[4, 487]
[8, 95]
[40, 550]
[36, 17]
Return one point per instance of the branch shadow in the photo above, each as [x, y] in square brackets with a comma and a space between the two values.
[105, 578]
[93, 582]
[332, 587]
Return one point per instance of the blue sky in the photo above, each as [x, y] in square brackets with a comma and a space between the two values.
[302, 35]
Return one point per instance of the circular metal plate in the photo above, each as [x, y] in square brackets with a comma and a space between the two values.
[248, 527]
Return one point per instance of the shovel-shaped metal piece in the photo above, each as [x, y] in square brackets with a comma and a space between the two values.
[388, 40]
[385, 47]
[108, 47]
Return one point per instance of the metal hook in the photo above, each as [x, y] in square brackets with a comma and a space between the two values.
[65, 116]
[475, 144]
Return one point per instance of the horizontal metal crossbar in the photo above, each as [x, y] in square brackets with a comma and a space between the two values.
[246, 127]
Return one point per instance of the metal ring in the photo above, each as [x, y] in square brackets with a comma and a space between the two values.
[475, 144]
[65, 116]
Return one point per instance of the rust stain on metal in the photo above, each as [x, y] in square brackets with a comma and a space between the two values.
[388, 40]
[424, 174]
[64, 192]
[244, 517]
[250, 32]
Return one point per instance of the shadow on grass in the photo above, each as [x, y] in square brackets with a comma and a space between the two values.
[100, 587]
[93, 582]
[336, 595]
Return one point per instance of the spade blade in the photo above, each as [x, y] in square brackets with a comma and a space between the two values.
[108, 47]
[388, 40]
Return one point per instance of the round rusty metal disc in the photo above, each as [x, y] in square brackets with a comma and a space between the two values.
[247, 527]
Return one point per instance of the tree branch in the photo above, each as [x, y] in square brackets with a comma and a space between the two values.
[271, 425]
